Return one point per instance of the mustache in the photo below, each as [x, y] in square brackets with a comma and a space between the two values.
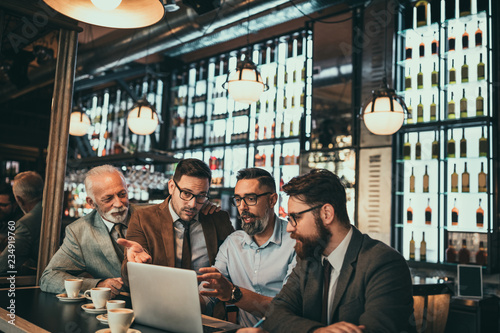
[189, 210]
[118, 210]
[246, 214]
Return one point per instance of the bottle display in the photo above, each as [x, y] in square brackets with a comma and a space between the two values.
[479, 216]
[451, 108]
[428, 213]
[483, 144]
[418, 148]
[412, 247]
[420, 80]
[465, 180]
[463, 144]
[454, 214]
[481, 180]
[463, 106]
[409, 213]
[464, 253]
[412, 182]
[465, 70]
[435, 147]
[481, 255]
[451, 253]
[479, 104]
[465, 38]
[425, 182]
[454, 179]
[423, 248]
[451, 146]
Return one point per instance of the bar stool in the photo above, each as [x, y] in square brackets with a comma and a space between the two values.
[431, 304]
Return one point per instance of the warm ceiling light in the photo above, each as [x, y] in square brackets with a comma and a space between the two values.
[127, 14]
[385, 113]
[106, 4]
[79, 122]
[245, 84]
[142, 119]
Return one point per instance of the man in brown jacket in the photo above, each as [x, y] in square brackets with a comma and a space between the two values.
[173, 233]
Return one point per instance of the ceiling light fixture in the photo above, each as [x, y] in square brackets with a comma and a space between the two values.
[170, 5]
[121, 14]
[142, 119]
[79, 122]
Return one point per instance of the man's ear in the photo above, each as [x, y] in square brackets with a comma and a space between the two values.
[19, 201]
[327, 214]
[273, 198]
[90, 202]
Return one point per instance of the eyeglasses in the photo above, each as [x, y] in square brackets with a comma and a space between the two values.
[187, 196]
[292, 217]
[250, 200]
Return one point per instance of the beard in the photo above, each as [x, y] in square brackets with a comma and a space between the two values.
[257, 226]
[115, 215]
[312, 246]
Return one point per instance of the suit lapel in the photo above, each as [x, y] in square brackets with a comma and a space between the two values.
[313, 290]
[210, 234]
[167, 232]
[103, 241]
[350, 259]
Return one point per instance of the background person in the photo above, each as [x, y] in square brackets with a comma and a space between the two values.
[9, 211]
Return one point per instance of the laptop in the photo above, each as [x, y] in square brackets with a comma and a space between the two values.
[470, 281]
[167, 298]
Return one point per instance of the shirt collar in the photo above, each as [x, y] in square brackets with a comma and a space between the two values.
[275, 237]
[110, 225]
[336, 258]
[176, 217]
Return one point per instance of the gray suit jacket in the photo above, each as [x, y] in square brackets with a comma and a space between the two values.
[87, 248]
[374, 289]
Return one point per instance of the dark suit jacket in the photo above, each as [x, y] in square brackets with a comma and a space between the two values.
[153, 228]
[374, 289]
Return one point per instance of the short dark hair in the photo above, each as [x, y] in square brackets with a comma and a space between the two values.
[6, 189]
[319, 187]
[264, 177]
[192, 167]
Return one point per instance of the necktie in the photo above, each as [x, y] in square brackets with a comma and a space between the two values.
[116, 232]
[186, 247]
[327, 270]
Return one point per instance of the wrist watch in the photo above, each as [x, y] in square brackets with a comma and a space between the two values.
[236, 295]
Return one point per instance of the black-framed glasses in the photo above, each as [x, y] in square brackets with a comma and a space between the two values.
[187, 196]
[250, 199]
[292, 217]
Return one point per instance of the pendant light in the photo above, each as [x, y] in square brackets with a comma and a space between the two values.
[79, 122]
[142, 119]
[124, 14]
[385, 113]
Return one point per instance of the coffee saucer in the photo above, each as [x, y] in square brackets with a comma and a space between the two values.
[65, 298]
[91, 309]
[108, 330]
[103, 318]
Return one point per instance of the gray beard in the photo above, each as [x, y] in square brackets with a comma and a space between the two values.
[257, 226]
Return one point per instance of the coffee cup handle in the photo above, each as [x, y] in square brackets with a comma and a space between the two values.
[86, 295]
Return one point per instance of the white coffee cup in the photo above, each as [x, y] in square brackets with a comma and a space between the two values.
[73, 287]
[119, 320]
[115, 304]
[99, 296]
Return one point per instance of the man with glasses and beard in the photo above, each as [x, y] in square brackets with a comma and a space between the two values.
[344, 281]
[252, 264]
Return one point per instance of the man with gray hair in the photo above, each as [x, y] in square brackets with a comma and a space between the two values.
[89, 249]
[28, 190]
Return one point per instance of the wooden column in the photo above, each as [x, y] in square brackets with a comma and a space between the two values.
[53, 192]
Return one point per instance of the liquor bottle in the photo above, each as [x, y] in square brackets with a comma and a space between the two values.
[425, 183]
[434, 77]
[302, 99]
[465, 7]
[480, 68]
[420, 79]
[420, 111]
[408, 81]
[412, 247]
[483, 144]
[435, 147]
[479, 216]
[434, 46]
[451, 253]
[433, 109]
[421, 7]
[408, 52]
[465, 70]
[291, 128]
[450, 146]
[463, 144]
[409, 120]
[481, 255]
[454, 179]
[452, 73]
[463, 106]
[465, 180]
[478, 36]
[479, 104]
[407, 148]
[256, 131]
[409, 213]
[412, 182]
[421, 47]
[423, 248]
[454, 213]
[451, 41]
[451, 108]
[464, 254]
[428, 212]
[481, 180]
[465, 38]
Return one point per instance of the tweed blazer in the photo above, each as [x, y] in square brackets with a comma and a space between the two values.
[153, 228]
[87, 249]
[374, 289]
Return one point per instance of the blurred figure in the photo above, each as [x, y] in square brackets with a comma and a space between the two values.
[9, 211]
[28, 190]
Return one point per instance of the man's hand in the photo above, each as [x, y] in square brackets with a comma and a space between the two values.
[222, 288]
[341, 327]
[209, 208]
[114, 283]
[135, 252]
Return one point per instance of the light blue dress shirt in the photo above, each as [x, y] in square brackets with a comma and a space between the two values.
[261, 269]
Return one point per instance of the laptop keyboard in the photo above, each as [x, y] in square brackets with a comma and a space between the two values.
[209, 329]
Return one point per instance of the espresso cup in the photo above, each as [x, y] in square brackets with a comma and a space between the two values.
[119, 320]
[115, 304]
[99, 296]
[73, 287]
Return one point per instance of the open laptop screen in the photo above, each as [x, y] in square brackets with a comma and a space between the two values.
[470, 281]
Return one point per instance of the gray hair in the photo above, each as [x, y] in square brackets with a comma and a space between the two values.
[98, 172]
[29, 186]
